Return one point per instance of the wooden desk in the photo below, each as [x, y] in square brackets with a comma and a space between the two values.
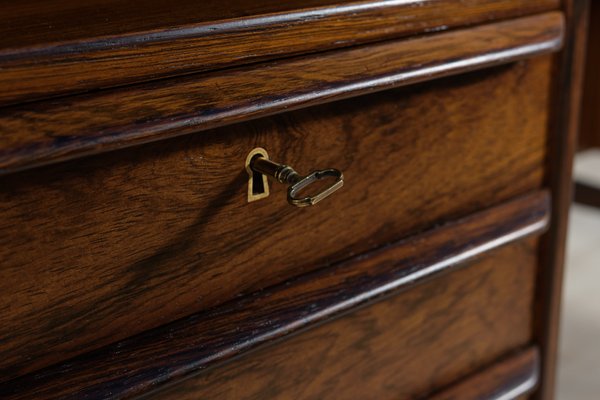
[135, 264]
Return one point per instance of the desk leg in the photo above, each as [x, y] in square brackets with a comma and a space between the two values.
[587, 195]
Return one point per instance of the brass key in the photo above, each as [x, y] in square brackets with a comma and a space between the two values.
[287, 175]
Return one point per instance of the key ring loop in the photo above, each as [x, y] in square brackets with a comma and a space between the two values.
[310, 179]
[259, 163]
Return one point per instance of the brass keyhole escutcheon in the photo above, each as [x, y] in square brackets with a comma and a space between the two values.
[258, 184]
[259, 167]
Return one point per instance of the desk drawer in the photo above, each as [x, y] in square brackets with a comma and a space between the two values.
[397, 321]
[99, 249]
[403, 348]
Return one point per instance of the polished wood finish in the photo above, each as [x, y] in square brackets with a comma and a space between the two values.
[131, 240]
[133, 265]
[55, 47]
[439, 331]
[515, 376]
[43, 133]
[399, 349]
[589, 132]
[564, 126]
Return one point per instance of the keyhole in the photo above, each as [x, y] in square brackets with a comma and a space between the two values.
[258, 186]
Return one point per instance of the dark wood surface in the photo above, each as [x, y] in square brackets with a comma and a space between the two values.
[515, 376]
[43, 133]
[589, 132]
[562, 142]
[62, 46]
[426, 337]
[400, 349]
[105, 258]
[127, 241]
[587, 194]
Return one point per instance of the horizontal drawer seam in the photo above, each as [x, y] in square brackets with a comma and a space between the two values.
[507, 379]
[62, 129]
[47, 63]
[187, 346]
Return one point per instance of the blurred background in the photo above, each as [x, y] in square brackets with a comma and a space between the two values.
[579, 362]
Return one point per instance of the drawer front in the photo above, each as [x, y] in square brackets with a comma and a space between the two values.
[402, 348]
[97, 250]
[169, 354]
[73, 57]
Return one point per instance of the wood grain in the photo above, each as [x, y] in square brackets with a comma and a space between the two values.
[400, 349]
[562, 142]
[106, 239]
[450, 319]
[43, 133]
[510, 378]
[56, 47]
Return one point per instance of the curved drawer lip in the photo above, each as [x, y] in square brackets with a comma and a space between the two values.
[208, 338]
[44, 133]
[513, 376]
[129, 241]
[50, 54]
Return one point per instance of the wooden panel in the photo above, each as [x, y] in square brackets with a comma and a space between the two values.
[87, 245]
[60, 46]
[434, 318]
[564, 127]
[399, 349]
[589, 135]
[71, 127]
[508, 379]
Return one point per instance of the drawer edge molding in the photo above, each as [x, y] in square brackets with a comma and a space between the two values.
[203, 340]
[101, 56]
[47, 132]
[514, 376]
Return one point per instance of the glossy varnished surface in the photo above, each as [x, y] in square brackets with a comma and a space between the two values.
[72, 127]
[125, 242]
[208, 339]
[507, 379]
[402, 348]
[60, 46]
[33, 23]
[110, 235]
